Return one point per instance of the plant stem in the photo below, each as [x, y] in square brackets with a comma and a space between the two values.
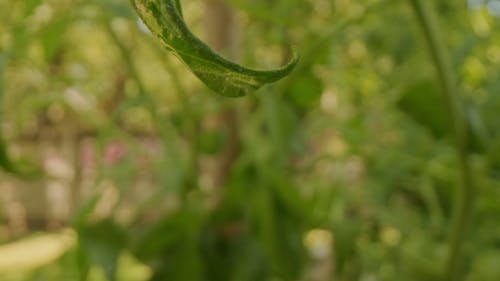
[464, 195]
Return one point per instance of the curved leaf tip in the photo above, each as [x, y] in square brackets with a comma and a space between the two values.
[164, 19]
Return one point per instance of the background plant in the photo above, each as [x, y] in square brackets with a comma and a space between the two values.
[345, 170]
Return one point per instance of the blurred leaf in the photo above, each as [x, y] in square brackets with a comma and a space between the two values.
[85, 211]
[82, 261]
[282, 123]
[222, 76]
[171, 247]
[346, 234]
[30, 5]
[115, 8]
[279, 232]
[305, 89]
[52, 36]
[486, 267]
[288, 198]
[5, 161]
[20, 167]
[480, 138]
[249, 264]
[424, 259]
[103, 243]
[212, 141]
[424, 103]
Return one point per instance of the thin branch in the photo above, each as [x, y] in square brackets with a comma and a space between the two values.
[465, 194]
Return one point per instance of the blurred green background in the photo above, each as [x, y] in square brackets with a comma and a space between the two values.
[118, 164]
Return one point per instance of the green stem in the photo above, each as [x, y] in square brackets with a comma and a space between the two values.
[464, 195]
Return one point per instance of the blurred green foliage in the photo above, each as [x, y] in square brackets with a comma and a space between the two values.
[345, 170]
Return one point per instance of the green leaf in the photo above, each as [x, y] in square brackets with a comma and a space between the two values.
[425, 105]
[305, 90]
[346, 233]
[52, 36]
[164, 19]
[103, 243]
[171, 247]
[19, 167]
[5, 161]
[212, 141]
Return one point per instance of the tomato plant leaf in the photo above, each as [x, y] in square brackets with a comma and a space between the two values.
[164, 19]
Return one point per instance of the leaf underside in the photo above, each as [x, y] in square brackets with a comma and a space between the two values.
[164, 19]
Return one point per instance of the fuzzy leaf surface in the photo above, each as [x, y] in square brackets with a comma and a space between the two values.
[164, 19]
